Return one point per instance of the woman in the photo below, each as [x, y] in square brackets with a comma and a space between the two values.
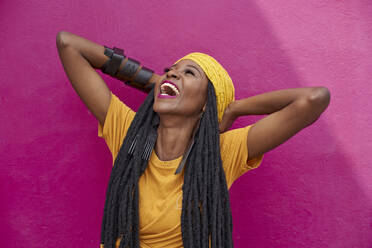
[173, 160]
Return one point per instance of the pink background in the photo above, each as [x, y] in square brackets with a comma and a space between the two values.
[312, 191]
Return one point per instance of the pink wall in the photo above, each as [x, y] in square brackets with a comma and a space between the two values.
[312, 191]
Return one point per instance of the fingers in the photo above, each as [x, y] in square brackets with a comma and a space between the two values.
[222, 126]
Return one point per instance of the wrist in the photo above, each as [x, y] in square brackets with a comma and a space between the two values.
[233, 109]
[154, 78]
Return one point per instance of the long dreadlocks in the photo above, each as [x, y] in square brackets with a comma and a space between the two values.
[206, 212]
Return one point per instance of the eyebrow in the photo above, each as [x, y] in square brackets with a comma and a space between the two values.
[190, 66]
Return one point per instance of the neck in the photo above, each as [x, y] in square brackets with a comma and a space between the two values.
[174, 134]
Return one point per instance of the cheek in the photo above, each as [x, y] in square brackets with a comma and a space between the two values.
[195, 98]
[196, 89]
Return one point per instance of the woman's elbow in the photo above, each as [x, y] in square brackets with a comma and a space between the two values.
[313, 104]
[61, 39]
[320, 97]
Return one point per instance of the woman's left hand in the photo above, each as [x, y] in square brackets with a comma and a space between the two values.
[228, 117]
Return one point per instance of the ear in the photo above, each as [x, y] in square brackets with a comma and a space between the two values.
[202, 112]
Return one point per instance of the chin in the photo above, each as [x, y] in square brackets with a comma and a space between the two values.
[163, 108]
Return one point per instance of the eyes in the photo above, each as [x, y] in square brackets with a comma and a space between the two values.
[186, 71]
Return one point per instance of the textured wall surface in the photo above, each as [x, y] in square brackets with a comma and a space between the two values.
[312, 191]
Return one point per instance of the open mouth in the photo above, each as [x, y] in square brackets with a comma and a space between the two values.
[168, 89]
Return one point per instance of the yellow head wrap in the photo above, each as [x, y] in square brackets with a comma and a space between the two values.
[219, 77]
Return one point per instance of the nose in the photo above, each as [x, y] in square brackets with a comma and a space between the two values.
[172, 73]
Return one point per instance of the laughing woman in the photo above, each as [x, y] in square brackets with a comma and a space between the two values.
[174, 160]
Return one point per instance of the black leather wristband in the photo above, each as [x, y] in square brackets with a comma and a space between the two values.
[139, 80]
[108, 51]
[130, 68]
[143, 76]
[116, 56]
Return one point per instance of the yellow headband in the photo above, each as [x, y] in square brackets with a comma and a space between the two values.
[219, 77]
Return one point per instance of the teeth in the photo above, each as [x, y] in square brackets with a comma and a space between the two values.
[174, 88]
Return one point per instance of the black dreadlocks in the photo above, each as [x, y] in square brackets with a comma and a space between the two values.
[206, 212]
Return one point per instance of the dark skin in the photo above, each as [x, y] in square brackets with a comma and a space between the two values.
[288, 110]
[178, 116]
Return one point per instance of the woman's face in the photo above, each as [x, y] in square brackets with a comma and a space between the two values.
[182, 90]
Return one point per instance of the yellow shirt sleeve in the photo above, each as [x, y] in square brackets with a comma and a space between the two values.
[118, 119]
[234, 154]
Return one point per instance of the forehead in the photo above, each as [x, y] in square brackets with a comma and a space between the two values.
[185, 62]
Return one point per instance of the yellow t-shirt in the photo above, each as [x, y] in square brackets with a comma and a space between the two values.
[160, 190]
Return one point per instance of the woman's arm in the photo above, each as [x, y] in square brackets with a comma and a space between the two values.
[290, 110]
[80, 57]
